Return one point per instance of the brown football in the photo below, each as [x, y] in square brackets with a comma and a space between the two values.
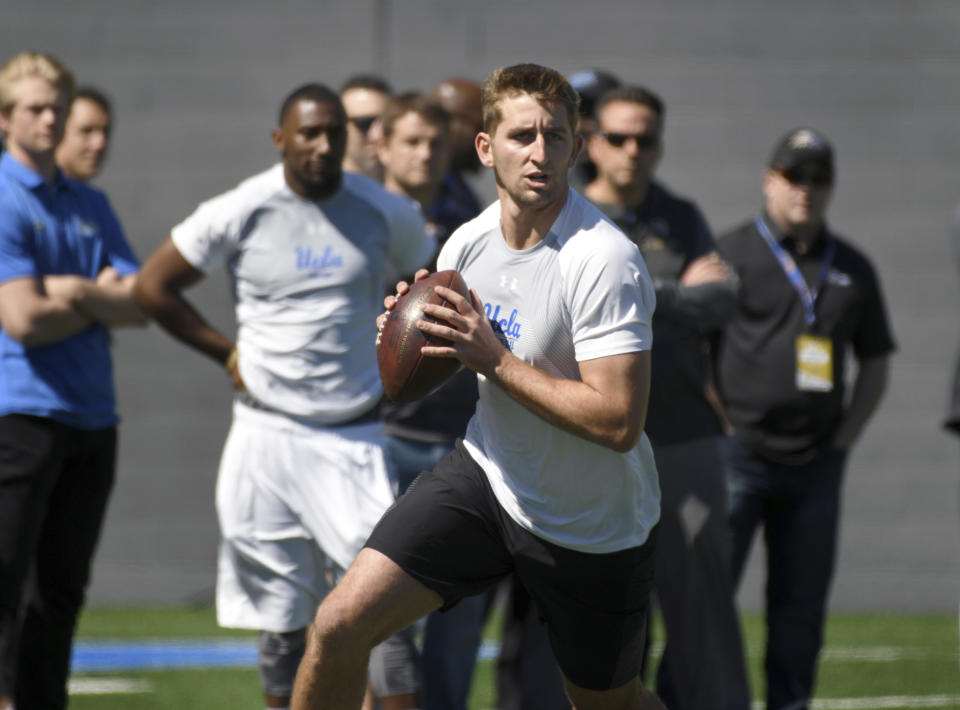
[406, 374]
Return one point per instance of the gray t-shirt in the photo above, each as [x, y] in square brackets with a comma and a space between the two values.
[308, 282]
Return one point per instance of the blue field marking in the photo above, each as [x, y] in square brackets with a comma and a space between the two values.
[103, 656]
[108, 656]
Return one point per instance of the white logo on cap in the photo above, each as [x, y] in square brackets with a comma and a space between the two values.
[804, 140]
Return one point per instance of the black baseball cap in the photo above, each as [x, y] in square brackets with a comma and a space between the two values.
[591, 84]
[799, 146]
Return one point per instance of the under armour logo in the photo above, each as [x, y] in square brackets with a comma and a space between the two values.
[508, 282]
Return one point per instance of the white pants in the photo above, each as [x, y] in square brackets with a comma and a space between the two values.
[295, 504]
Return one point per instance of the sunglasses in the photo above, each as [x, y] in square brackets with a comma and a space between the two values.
[810, 177]
[363, 123]
[644, 141]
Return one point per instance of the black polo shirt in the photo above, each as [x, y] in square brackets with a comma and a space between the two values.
[671, 232]
[756, 356]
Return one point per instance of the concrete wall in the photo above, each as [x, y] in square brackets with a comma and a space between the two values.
[197, 85]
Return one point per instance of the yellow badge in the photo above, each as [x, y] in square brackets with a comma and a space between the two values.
[814, 363]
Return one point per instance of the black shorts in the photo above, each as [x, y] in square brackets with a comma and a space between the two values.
[449, 532]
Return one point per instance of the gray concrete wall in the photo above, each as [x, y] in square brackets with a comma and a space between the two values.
[197, 84]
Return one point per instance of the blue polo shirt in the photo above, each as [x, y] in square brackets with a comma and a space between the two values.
[66, 228]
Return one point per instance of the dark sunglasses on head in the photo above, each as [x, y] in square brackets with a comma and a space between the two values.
[363, 123]
[644, 141]
[811, 177]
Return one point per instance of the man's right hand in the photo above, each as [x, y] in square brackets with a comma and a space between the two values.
[233, 368]
[391, 300]
[708, 268]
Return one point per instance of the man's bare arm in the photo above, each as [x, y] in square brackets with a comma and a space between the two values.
[33, 317]
[107, 300]
[158, 292]
[705, 295]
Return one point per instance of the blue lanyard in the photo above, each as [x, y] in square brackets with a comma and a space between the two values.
[808, 297]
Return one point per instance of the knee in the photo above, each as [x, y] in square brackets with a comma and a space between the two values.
[279, 656]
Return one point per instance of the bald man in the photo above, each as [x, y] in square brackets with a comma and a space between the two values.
[461, 99]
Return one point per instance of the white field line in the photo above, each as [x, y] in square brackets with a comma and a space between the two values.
[878, 654]
[107, 686]
[881, 703]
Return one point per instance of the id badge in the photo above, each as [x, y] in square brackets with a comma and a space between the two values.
[814, 363]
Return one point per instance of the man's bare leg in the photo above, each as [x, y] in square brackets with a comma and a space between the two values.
[631, 696]
[374, 599]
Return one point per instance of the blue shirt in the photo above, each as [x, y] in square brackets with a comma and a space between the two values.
[64, 228]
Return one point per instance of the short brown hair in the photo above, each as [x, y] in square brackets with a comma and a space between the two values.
[632, 95]
[423, 105]
[27, 65]
[542, 83]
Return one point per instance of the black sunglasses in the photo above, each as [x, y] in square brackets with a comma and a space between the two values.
[363, 123]
[644, 141]
[810, 177]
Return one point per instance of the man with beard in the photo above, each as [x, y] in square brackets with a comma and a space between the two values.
[303, 477]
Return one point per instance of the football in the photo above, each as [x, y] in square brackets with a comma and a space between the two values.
[406, 374]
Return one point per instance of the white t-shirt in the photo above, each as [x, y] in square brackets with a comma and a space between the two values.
[582, 293]
[308, 282]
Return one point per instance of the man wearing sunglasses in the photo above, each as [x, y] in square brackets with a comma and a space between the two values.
[364, 98]
[702, 666]
[808, 300]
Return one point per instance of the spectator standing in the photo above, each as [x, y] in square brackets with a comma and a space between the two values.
[66, 278]
[86, 137]
[807, 300]
[364, 98]
[703, 662]
[590, 85]
[952, 421]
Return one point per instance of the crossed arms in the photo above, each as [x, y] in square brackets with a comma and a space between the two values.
[44, 310]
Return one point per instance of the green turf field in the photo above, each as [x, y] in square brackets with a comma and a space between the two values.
[882, 661]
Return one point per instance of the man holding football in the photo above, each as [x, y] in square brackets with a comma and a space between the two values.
[555, 480]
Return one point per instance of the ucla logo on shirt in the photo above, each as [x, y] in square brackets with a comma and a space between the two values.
[838, 278]
[506, 326]
[85, 228]
[651, 235]
[318, 263]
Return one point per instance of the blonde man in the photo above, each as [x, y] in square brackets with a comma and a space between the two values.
[554, 480]
[66, 278]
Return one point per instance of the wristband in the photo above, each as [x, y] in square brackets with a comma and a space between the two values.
[232, 358]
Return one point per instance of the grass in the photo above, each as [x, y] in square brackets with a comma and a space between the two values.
[865, 656]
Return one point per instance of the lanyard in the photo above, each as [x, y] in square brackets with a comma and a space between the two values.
[808, 297]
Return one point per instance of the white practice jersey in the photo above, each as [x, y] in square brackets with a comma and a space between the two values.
[308, 281]
[582, 293]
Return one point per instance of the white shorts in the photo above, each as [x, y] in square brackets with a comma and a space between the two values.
[295, 504]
